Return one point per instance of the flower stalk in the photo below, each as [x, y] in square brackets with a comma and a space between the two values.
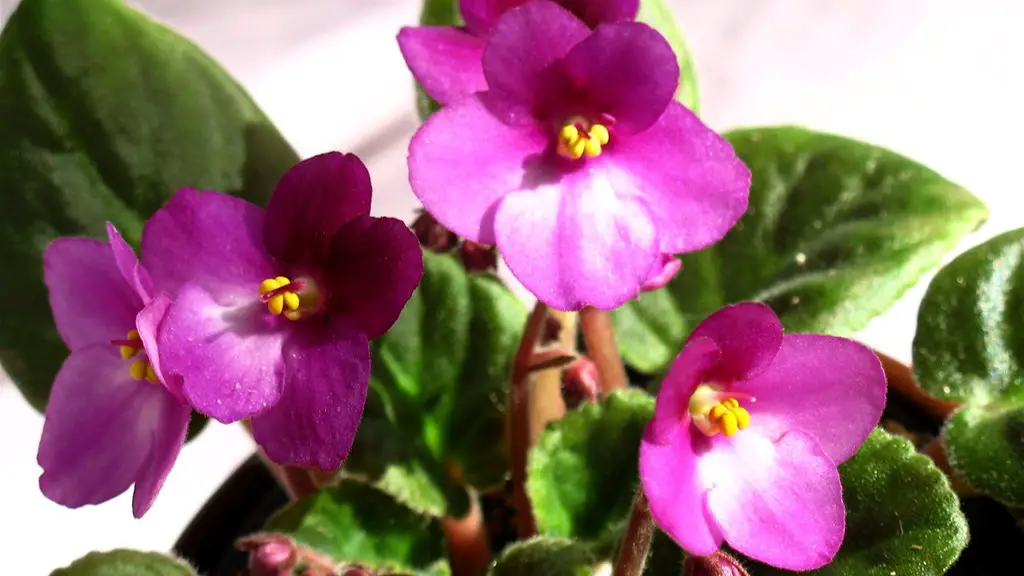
[636, 543]
[469, 547]
[600, 338]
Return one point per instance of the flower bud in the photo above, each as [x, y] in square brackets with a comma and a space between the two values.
[432, 235]
[580, 382]
[478, 257]
[270, 555]
[717, 564]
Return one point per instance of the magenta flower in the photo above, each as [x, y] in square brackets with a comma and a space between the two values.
[274, 309]
[446, 60]
[113, 419]
[718, 466]
[576, 161]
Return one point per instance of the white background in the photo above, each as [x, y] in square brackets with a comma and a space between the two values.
[938, 80]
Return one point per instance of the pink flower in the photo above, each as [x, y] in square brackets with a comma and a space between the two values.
[748, 429]
[274, 309]
[446, 60]
[576, 161]
[113, 419]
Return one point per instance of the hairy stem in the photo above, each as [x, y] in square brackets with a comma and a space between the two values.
[600, 338]
[297, 482]
[469, 547]
[546, 402]
[636, 543]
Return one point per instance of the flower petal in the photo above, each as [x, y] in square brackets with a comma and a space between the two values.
[627, 70]
[830, 387]
[327, 371]
[778, 502]
[312, 201]
[749, 335]
[686, 373]
[89, 298]
[147, 322]
[668, 475]
[695, 185]
[463, 160]
[133, 272]
[662, 272]
[375, 266]
[227, 348]
[522, 58]
[99, 428]
[446, 61]
[594, 12]
[207, 238]
[170, 426]
[578, 241]
[481, 15]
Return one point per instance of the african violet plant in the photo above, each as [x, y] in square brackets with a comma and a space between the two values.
[684, 397]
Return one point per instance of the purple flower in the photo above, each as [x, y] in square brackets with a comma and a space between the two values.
[577, 162]
[446, 60]
[113, 419]
[719, 467]
[662, 272]
[274, 308]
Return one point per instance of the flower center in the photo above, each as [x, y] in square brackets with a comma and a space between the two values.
[293, 299]
[131, 347]
[714, 411]
[579, 137]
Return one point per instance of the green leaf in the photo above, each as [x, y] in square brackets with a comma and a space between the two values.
[541, 556]
[901, 515]
[356, 523]
[986, 445]
[105, 114]
[436, 412]
[125, 563]
[656, 13]
[837, 230]
[435, 13]
[582, 475]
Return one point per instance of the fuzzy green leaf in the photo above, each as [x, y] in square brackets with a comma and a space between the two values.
[542, 556]
[125, 563]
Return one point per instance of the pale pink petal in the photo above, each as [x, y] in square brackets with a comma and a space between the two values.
[169, 428]
[327, 371]
[463, 160]
[662, 272]
[446, 61]
[749, 335]
[690, 176]
[689, 370]
[90, 299]
[832, 388]
[579, 240]
[133, 272]
[670, 480]
[778, 502]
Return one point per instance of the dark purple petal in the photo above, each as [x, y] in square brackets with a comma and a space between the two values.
[578, 241]
[780, 502]
[522, 59]
[627, 70]
[446, 61]
[481, 15]
[690, 177]
[170, 427]
[327, 367]
[312, 201]
[831, 388]
[206, 238]
[133, 272]
[148, 322]
[463, 160]
[594, 12]
[227, 348]
[375, 265]
[688, 371]
[748, 334]
[90, 299]
[100, 428]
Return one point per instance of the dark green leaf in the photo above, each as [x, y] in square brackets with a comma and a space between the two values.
[437, 402]
[901, 515]
[105, 114]
[125, 563]
[836, 231]
[582, 474]
[541, 556]
[657, 14]
[986, 445]
[356, 523]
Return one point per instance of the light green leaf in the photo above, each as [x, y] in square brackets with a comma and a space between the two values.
[105, 114]
[125, 563]
[356, 523]
[837, 230]
[656, 13]
[986, 445]
[542, 556]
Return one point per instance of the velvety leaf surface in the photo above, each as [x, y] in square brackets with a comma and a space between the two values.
[434, 419]
[125, 563]
[986, 445]
[105, 114]
[357, 523]
[542, 556]
[836, 232]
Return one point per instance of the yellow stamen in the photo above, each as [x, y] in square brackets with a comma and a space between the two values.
[138, 368]
[574, 145]
[130, 351]
[714, 415]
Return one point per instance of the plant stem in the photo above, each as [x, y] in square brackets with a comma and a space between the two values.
[546, 401]
[636, 543]
[600, 338]
[519, 417]
[469, 547]
[900, 379]
[296, 482]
